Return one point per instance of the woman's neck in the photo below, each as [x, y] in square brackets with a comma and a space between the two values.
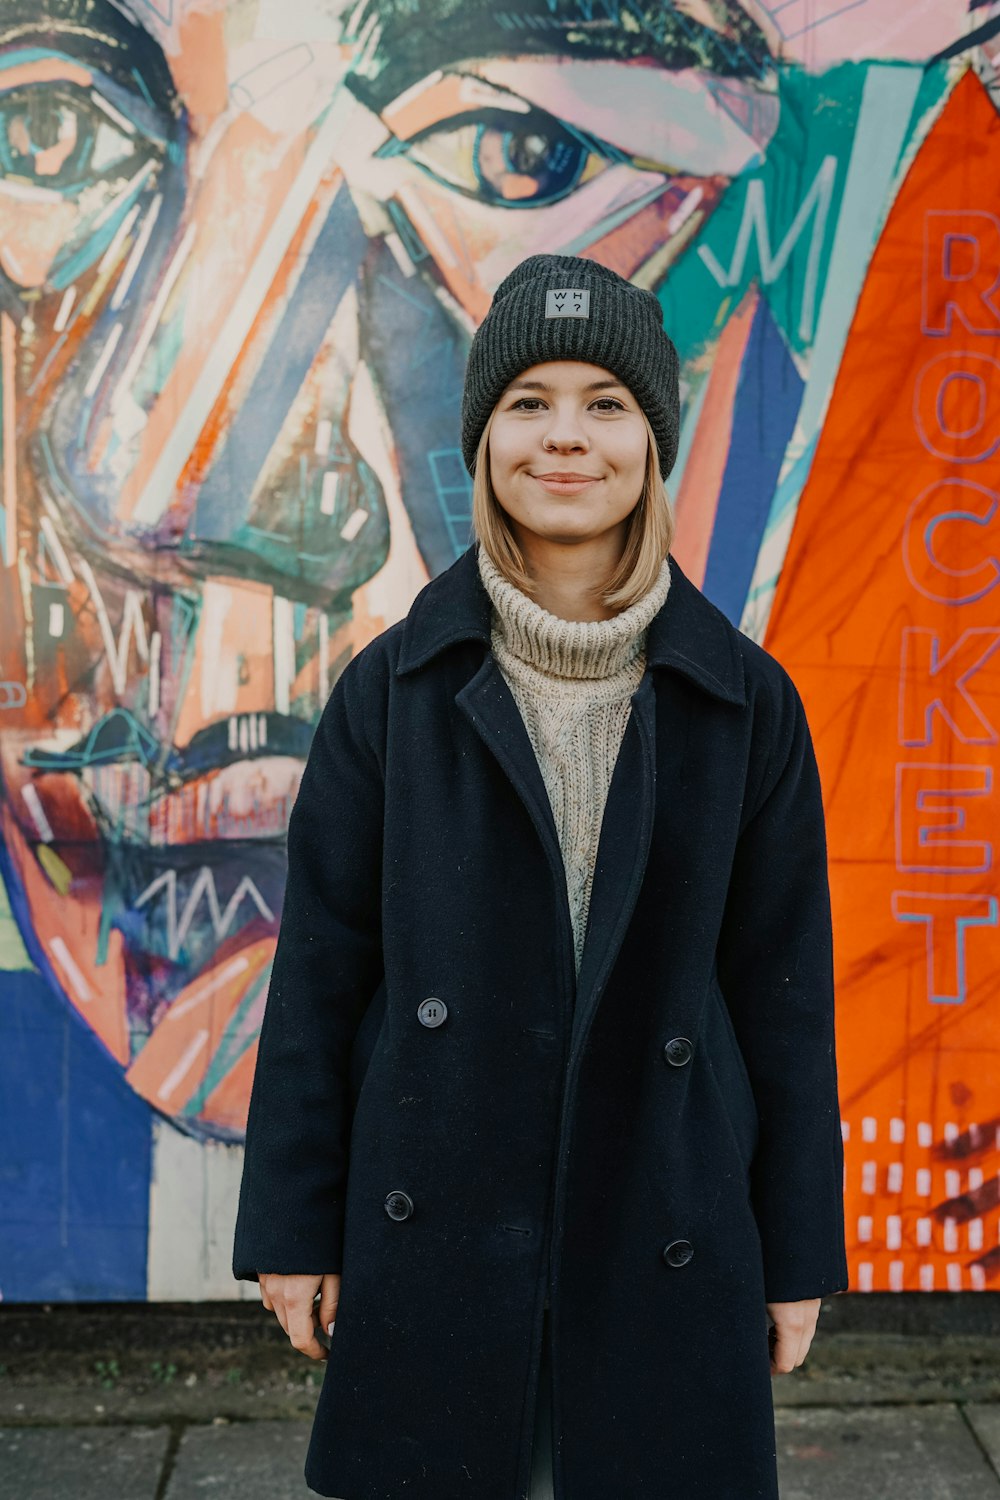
[568, 577]
[527, 636]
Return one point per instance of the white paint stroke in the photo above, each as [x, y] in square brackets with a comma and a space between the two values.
[323, 686]
[328, 494]
[184, 1064]
[138, 251]
[33, 803]
[133, 624]
[124, 386]
[114, 249]
[55, 546]
[96, 97]
[69, 966]
[353, 524]
[155, 648]
[283, 623]
[324, 432]
[104, 360]
[65, 308]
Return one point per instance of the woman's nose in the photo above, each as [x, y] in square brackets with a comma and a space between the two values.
[565, 434]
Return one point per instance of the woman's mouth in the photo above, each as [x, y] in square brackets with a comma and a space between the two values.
[567, 483]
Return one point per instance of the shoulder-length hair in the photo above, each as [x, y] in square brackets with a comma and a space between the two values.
[647, 542]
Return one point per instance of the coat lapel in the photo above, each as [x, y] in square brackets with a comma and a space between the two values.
[622, 852]
[489, 705]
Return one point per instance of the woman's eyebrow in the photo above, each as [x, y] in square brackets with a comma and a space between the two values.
[397, 52]
[541, 385]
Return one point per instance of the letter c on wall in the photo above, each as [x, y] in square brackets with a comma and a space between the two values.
[952, 504]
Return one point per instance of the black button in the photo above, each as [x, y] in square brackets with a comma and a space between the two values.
[678, 1051]
[432, 1012]
[399, 1205]
[678, 1252]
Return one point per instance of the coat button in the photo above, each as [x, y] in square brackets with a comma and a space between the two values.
[678, 1252]
[432, 1012]
[678, 1051]
[399, 1205]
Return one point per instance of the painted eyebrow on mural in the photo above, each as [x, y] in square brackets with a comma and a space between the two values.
[398, 46]
[101, 36]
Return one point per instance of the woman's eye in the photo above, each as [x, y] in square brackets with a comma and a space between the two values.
[55, 135]
[607, 403]
[507, 159]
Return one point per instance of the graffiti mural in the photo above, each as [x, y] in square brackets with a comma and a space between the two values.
[243, 249]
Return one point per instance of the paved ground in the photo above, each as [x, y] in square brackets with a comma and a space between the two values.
[933, 1452]
[203, 1404]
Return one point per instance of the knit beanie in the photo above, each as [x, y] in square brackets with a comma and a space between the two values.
[569, 307]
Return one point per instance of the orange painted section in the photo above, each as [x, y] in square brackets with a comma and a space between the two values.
[887, 615]
[174, 1061]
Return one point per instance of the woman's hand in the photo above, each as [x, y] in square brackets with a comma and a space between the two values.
[292, 1299]
[794, 1326]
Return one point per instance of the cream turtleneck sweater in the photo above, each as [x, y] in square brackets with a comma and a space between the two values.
[573, 682]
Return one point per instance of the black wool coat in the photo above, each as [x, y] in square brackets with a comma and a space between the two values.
[654, 1147]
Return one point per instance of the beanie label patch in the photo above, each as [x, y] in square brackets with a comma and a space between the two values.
[568, 302]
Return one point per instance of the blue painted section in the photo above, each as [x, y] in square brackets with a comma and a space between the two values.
[76, 1148]
[768, 397]
[333, 266]
[418, 357]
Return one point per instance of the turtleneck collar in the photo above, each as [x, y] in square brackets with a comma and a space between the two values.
[569, 648]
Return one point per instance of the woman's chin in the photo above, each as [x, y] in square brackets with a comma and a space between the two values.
[569, 530]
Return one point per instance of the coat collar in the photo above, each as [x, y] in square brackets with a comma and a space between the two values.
[689, 633]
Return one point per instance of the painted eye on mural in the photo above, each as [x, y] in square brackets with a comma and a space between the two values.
[505, 158]
[59, 136]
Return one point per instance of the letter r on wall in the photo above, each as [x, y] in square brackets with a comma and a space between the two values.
[961, 271]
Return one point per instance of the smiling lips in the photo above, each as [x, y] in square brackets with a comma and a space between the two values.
[564, 482]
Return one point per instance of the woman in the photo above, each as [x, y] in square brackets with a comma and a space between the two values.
[545, 1108]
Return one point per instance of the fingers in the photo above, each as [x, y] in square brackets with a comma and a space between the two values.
[792, 1334]
[302, 1327]
[292, 1300]
[329, 1297]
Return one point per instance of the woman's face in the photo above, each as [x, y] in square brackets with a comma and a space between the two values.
[567, 452]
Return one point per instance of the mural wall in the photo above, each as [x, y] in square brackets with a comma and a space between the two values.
[243, 248]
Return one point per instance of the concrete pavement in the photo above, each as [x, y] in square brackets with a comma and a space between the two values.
[189, 1402]
[940, 1451]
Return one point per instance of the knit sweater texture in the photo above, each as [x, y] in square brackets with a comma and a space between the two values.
[572, 681]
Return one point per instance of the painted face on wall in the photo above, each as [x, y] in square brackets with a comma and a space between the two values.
[239, 276]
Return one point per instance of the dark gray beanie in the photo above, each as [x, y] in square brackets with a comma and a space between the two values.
[569, 307]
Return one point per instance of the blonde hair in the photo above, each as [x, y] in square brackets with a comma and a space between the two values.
[647, 542]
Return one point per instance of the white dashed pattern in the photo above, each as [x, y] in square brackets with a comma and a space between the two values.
[908, 1212]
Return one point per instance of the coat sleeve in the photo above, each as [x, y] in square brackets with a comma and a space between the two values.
[327, 965]
[775, 967]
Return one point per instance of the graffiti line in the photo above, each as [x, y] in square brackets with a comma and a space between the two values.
[230, 971]
[183, 1065]
[69, 967]
[204, 887]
